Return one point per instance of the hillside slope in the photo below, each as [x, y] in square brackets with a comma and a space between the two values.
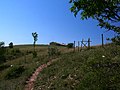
[20, 65]
[94, 69]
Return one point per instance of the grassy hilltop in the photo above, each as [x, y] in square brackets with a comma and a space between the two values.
[94, 69]
[20, 64]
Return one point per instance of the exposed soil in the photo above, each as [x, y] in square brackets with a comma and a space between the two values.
[32, 79]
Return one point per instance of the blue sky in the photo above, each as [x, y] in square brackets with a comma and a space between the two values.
[52, 20]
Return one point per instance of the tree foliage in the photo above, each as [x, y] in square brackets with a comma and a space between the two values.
[35, 36]
[11, 45]
[2, 44]
[107, 12]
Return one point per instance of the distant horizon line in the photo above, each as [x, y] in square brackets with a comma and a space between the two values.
[49, 44]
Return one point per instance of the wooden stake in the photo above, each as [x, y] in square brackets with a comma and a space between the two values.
[102, 40]
[78, 46]
[88, 43]
[74, 46]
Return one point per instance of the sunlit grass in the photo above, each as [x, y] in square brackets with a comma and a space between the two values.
[27, 61]
[94, 69]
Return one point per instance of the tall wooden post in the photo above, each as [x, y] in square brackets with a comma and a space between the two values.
[78, 45]
[88, 43]
[82, 44]
[74, 46]
[102, 40]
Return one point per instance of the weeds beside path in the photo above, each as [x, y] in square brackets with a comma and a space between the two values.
[32, 79]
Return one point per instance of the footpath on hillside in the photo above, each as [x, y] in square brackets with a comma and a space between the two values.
[32, 79]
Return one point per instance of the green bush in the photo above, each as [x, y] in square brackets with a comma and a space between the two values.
[34, 54]
[2, 44]
[11, 45]
[70, 45]
[2, 55]
[14, 72]
[53, 51]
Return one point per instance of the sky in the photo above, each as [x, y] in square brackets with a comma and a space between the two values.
[51, 19]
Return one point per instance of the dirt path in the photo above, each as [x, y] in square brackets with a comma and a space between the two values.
[32, 79]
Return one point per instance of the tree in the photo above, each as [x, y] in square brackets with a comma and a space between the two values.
[2, 44]
[107, 12]
[11, 45]
[35, 36]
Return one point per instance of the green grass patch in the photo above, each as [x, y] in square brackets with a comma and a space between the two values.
[15, 71]
[94, 69]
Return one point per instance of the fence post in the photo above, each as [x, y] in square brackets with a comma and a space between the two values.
[102, 40]
[74, 46]
[78, 45]
[82, 44]
[88, 43]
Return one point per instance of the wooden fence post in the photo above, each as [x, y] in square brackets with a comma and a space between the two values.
[78, 45]
[82, 44]
[88, 43]
[74, 46]
[102, 40]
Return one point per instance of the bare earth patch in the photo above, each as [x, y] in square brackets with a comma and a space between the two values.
[32, 79]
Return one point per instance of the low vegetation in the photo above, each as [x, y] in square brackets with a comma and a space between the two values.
[19, 65]
[94, 69]
[70, 45]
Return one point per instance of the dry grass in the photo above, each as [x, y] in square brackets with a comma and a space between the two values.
[28, 62]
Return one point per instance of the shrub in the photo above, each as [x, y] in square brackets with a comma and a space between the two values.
[2, 55]
[52, 51]
[11, 45]
[70, 45]
[14, 72]
[2, 44]
[34, 54]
